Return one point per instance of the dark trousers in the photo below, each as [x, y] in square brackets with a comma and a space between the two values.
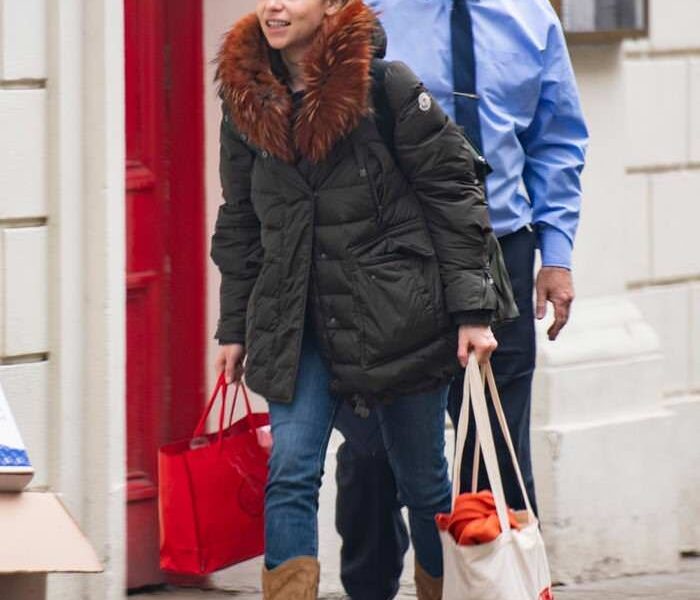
[368, 513]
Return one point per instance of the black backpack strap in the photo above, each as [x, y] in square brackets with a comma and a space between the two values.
[383, 116]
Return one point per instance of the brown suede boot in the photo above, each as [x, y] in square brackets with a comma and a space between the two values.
[295, 579]
[427, 587]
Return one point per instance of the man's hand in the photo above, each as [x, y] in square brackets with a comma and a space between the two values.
[554, 284]
[229, 359]
[475, 338]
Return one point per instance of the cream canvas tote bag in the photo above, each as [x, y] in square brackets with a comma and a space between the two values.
[514, 565]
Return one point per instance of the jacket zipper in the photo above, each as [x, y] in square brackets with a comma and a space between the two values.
[365, 172]
[314, 196]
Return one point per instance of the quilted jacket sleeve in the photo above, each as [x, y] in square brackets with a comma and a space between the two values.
[441, 167]
[235, 246]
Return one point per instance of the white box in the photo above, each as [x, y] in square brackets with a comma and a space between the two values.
[15, 468]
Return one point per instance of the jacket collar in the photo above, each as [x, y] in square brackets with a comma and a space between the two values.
[337, 74]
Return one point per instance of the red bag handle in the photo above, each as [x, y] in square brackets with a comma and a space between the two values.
[222, 386]
[249, 410]
[220, 383]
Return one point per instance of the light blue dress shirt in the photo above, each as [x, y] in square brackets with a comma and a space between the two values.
[533, 131]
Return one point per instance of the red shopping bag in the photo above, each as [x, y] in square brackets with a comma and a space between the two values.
[211, 491]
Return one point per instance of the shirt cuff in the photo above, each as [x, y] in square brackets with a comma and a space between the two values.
[555, 246]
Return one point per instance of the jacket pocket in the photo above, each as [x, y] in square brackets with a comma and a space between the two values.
[395, 306]
[398, 293]
[408, 237]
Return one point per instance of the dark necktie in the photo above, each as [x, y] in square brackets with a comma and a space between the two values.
[464, 72]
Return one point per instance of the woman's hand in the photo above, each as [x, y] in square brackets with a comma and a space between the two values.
[229, 359]
[478, 339]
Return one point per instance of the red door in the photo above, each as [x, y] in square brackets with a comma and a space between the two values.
[165, 248]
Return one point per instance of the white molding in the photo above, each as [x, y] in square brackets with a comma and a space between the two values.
[105, 291]
[87, 247]
[601, 432]
[65, 247]
[66, 310]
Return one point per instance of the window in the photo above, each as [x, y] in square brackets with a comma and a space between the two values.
[603, 20]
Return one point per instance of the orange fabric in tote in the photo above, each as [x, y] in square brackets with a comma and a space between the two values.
[474, 519]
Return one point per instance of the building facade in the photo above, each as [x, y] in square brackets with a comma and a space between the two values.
[617, 403]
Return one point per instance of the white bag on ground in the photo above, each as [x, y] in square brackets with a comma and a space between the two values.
[514, 565]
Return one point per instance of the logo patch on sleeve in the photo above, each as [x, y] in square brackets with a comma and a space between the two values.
[424, 101]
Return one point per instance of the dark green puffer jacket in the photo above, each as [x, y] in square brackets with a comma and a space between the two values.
[383, 259]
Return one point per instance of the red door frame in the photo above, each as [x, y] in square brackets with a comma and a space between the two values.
[187, 219]
[166, 255]
[184, 47]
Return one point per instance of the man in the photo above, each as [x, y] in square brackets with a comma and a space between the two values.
[501, 69]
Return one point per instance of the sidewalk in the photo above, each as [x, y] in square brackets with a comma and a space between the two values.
[680, 586]
[242, 582]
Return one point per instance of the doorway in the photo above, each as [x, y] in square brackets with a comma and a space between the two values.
[165, 253]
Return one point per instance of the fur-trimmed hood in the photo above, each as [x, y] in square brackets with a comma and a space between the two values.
[337, 74]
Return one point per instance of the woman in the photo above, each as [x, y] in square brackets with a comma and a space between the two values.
[343, 279]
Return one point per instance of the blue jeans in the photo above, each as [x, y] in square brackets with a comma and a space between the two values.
[413, 430]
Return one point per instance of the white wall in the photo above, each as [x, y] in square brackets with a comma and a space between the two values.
[662, 158]
[24, 342]
[62, 241]
[663, 165]
[599, 267]
[636, 245]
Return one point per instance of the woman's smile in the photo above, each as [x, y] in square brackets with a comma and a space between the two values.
[276, 23]
[274, 28]
[291, 25]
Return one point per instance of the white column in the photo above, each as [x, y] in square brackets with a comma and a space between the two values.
[603, 446]
[87, 312]
[663, 156]
[105, 292]
[603, 439]
[66, 284]
[66, 247]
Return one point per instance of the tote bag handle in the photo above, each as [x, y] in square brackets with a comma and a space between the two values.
[500, 414]
[487, 377]
[474, 396]
[222, 386]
